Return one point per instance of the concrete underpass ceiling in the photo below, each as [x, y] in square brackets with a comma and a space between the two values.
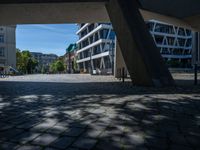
[48, 13]
[185, 10]
[180, 12]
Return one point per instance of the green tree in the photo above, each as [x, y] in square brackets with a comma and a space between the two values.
[57, 66]
[25, 62]
[53, 68]
[60, 66]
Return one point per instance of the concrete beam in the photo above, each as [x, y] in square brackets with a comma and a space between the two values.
[52, 13]
[143, 59]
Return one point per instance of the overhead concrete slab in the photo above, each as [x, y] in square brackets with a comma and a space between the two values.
[185, 10]
[48, 13]
[82, 11]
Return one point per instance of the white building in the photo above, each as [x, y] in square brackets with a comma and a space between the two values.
[96, 45]
[7, 46]
[95, 48]
[174, 42]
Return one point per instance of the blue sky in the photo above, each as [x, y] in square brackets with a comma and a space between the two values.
[51, 38]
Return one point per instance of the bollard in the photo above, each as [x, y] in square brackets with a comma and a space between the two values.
[123, 74]
[195, 74]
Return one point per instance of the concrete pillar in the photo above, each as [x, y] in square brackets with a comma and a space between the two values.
[119, 61]
[142, 58]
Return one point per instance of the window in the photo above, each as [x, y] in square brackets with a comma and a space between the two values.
[112, 35]
[181, 42]
[189, 43]
[1, 38]
[104, 33]
[164, 28]
[97, 50]
[189, 32]
[150, 26]
[181, 32]
[2, 51]
[170, 40]
[159, 39]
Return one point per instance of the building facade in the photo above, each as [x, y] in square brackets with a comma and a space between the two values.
[174, 42]
[96, 45]
[7, 46]
[44, 60]
[70, 59]
[95, 48]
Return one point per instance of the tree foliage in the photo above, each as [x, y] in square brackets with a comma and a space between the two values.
[25, 62]
[57, 66]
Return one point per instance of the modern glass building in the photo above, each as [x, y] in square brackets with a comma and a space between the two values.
[95, 48]
[96, 45]
[174, 42]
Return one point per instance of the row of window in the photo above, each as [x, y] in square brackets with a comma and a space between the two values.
[96, 63]
[177, 51]
[103, 34]
[171, 41]
[169, 29]
[97, 50]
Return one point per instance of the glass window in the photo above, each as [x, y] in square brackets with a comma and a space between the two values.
[1, 38]
[181, 31]
[112, 35]
[170, 40]
[97, 50]
[189, 32]
[104, 33]
[181, 42]
[189, 42]
[107, 62]
[2, 51]
[164, 28]
[91, 27]
[159, 39]
[150, 26]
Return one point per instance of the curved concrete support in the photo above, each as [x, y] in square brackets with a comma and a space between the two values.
[143, 59]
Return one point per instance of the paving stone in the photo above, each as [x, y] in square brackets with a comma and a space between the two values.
[26, 147]
[8, 146]
[72, 149]
[44, 139]
[85, 143]
[92, 133]
[62, 142]
[57, 129]
[25, 137]
[73, 132]
[109, 144]
[50, 148]
[8, 134]
[181, 147]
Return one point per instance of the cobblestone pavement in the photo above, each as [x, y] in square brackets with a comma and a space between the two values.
[72, 112]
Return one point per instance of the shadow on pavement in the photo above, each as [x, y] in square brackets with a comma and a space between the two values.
[98, 116]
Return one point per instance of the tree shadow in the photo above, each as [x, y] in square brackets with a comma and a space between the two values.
[108, 115]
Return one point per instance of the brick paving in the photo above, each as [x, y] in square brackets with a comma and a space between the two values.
[79, 112]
